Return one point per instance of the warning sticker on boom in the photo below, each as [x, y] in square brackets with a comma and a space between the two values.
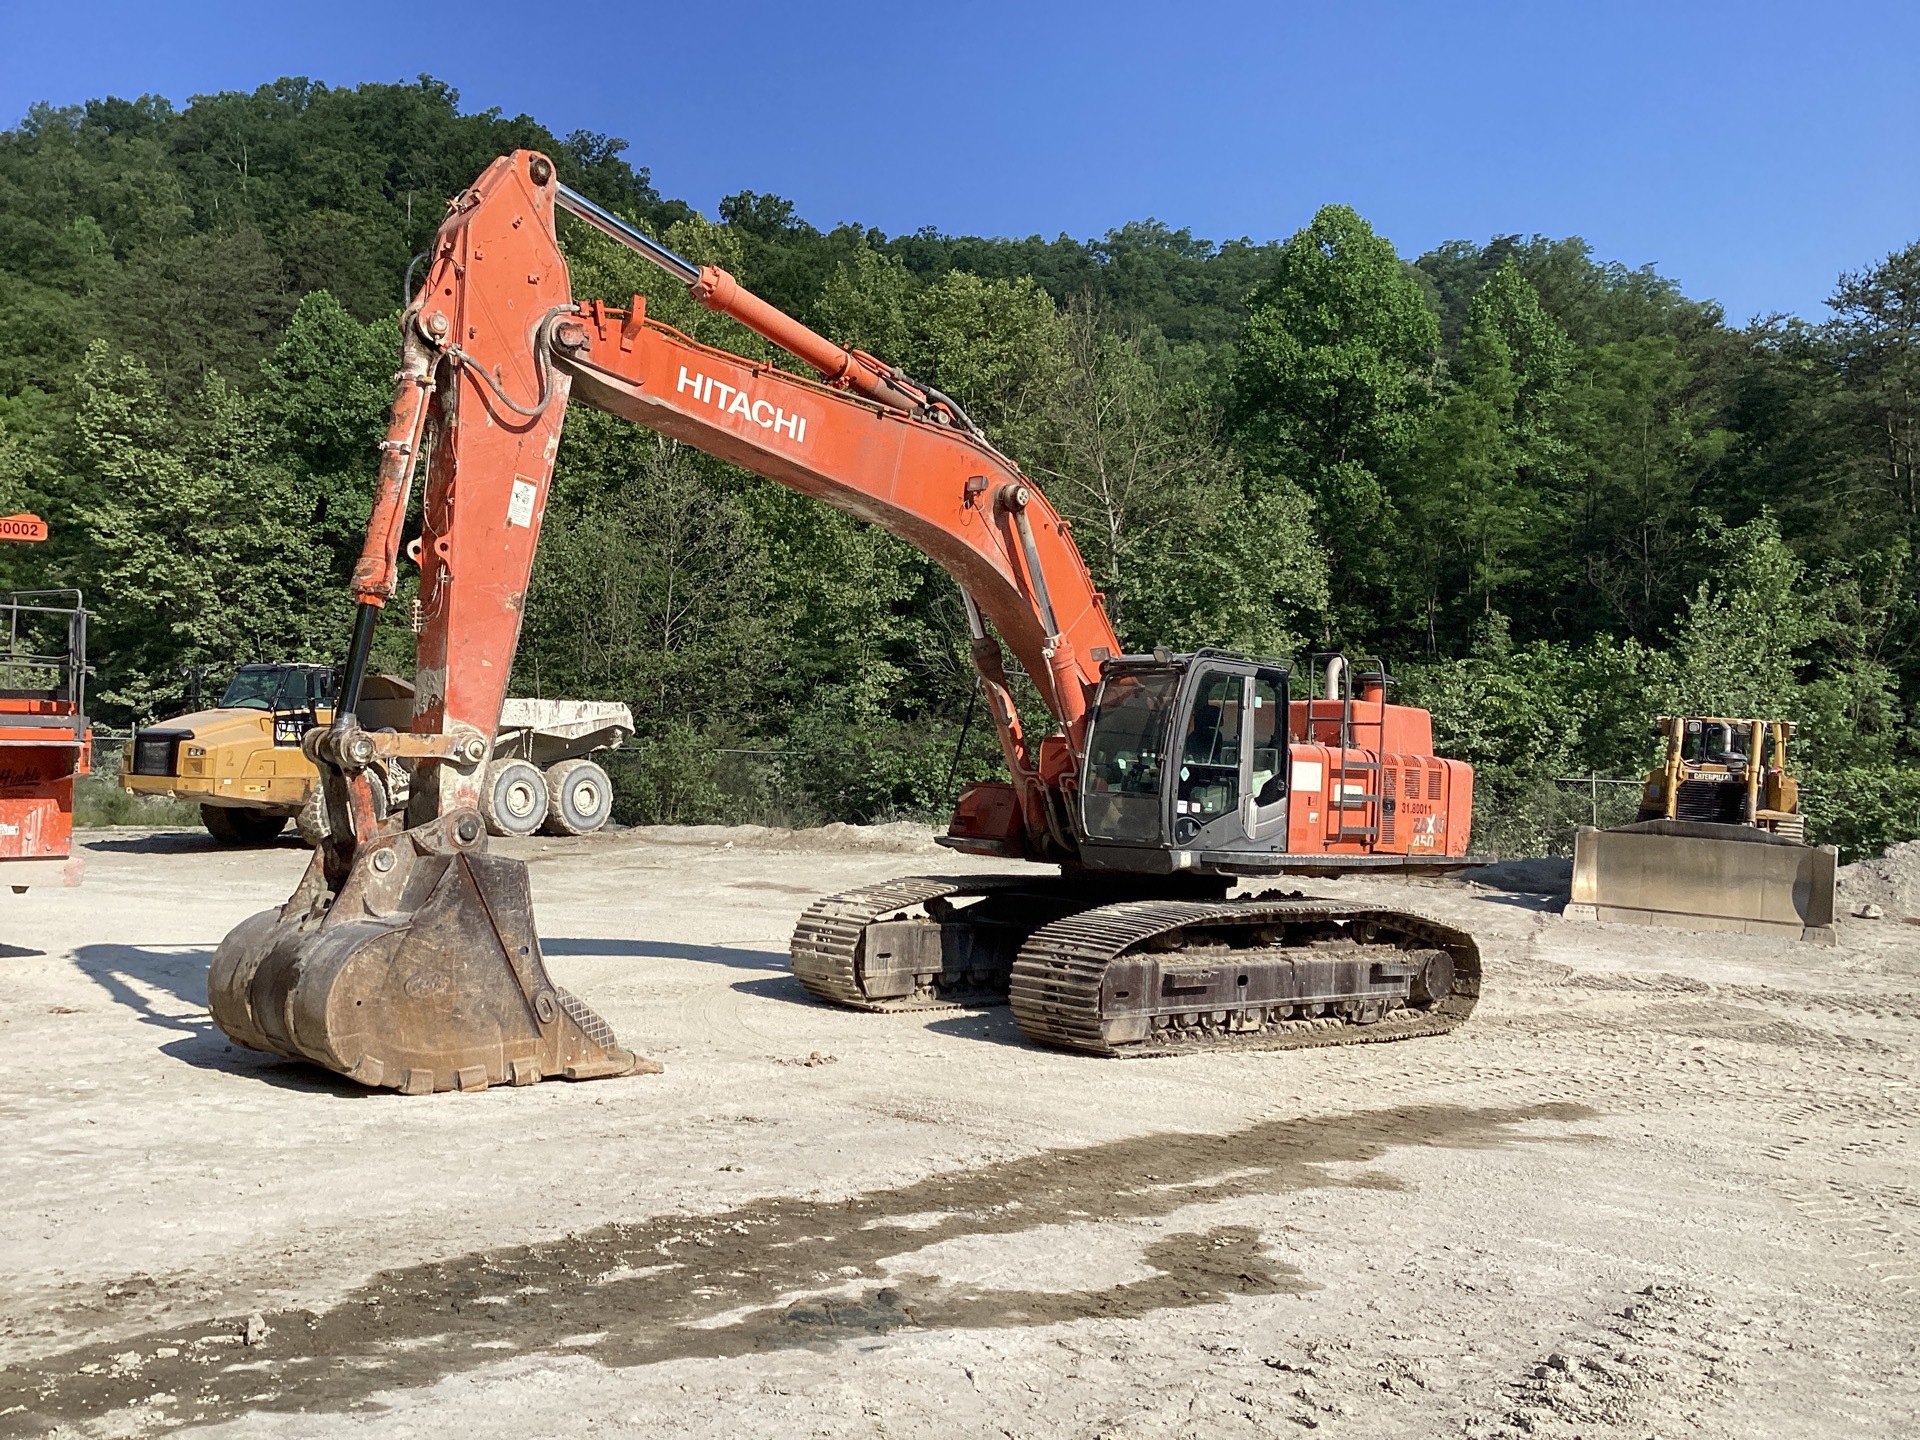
[520, 507]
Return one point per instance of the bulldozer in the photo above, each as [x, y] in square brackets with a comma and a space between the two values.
[408, 956]
[1719, 844]
[241, 761]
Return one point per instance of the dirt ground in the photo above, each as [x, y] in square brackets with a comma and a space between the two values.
[1660, 1185]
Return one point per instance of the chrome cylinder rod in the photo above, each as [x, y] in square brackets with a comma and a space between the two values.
[612, 226]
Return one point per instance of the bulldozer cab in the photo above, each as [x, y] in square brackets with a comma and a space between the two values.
[1715, 742]
[1185, 751]
[1723, 770]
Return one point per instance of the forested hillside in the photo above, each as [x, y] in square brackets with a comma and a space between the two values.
[1554, 492]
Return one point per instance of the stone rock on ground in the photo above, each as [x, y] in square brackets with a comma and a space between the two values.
[1890, 881]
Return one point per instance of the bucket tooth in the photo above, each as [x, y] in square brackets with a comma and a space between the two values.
[422, 973]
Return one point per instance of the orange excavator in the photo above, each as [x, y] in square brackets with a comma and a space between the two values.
[408, 957]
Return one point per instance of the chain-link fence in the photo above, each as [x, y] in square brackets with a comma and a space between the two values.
[1542, 818]
[1609, 801]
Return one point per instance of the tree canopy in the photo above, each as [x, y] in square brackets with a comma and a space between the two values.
[1554, 491]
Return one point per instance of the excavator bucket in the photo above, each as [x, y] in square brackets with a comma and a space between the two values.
[422, 973]
[1697, 876]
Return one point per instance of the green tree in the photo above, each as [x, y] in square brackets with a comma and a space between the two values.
[1643, 433]
[651, 587]
[1877, 328]
[1189, 547]
[1738, 645]
[200, 304]
[193, 551]
[1489, 484]
[1329, 384]
[329, 385]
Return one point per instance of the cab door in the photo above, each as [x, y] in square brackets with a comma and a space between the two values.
[1266, 782]
[1210, 778]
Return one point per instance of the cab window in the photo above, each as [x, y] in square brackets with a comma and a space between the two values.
[252, 689]
[1269, 731]
[1126, 752]
[1210, 755]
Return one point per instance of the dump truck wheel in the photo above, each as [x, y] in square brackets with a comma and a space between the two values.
[514, 798]
[579, 798]
[241, 827]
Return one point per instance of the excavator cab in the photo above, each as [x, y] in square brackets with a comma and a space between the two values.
[1184, 753]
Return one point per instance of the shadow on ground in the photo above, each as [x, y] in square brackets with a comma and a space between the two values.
[166, 987]
[163, 985]
[995, 1025]
[727, 955]
[178, 842]
[1522, 900]
[778, 987]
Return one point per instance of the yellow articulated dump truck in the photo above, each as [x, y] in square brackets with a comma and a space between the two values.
[242, 761]
[1720, 843]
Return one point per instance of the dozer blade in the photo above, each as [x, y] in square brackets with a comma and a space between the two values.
[422, 973]
[1691, 875]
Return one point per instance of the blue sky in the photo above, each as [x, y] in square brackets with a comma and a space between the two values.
[1752, 151]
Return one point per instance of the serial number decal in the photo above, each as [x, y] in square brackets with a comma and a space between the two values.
[22, 527]
[732, 401]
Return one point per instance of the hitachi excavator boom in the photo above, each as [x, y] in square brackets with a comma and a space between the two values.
[408, 956]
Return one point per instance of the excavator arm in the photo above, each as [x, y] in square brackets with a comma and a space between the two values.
[496, 347]
[400, 910]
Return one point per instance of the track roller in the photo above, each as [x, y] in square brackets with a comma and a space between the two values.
[1172, 976]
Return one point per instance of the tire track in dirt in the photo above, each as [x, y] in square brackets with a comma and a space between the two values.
[1653, 1366]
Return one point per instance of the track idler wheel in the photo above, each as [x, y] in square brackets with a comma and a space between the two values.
[422, 973]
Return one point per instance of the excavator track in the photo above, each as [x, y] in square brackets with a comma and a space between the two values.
[833, 946]
[1175, 976]
[1140, 977]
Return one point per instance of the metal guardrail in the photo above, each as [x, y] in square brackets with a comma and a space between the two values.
[32, 617]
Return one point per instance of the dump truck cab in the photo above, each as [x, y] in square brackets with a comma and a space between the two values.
[280, 689]
[239, 761]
